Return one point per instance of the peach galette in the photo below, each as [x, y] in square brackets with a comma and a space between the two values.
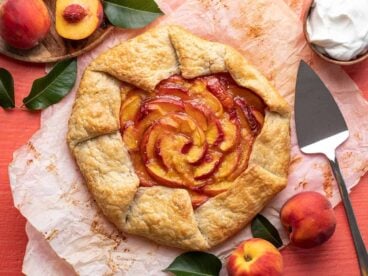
[179, 139]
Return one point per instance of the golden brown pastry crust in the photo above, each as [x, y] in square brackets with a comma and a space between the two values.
[162, 214]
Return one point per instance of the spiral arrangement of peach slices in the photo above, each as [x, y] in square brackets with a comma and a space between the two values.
[195, 134]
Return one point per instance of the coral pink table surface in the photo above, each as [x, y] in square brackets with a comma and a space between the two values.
[336, 257]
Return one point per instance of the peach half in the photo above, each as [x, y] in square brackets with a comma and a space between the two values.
[23, 24]
[310, 219]
[77, 19]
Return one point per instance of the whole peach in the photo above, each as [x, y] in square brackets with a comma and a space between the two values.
[23, 23]
[255, 257]
[310, 219]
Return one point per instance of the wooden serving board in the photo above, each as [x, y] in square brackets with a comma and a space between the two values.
[53, 47]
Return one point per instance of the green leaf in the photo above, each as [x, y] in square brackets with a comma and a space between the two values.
[53, 87]
[6, 89]
[131, 14]
[195, 263]
[262, 228]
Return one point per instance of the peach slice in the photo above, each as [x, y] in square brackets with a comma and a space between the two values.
[140, 169]
[185, 171]
[175, 172]
[161, 104]
[23, 24]
[258, 115]
[174, 132]
[173, 89]
[209, 165]
[214, 134]
[196, 154]
[231, 134]
[77, 19]
[199, 91]
[152, 147]
[130, 108]
[146, 122]
[132, 133]
[168, 148]
[186, 125]
[129, 133]
[229, 164]
[243, 122]
[218, 89]
[217, 188]
[199, 112]
[178, 79]
[249, 97]
[248, 113]
[148, 142]
[245, 148]
[169, 178]
[197, 198]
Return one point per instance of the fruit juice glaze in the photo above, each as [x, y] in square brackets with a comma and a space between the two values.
[195, 134]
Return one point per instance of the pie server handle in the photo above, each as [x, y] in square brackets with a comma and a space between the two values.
[357, 238]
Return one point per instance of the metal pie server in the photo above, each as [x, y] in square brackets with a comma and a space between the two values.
[321, 128]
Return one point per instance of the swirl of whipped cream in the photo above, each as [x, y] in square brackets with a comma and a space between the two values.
[339, 28]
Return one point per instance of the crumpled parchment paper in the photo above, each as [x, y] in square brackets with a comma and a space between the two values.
[67, 232]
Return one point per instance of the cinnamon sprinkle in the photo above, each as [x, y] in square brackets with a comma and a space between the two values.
[328, 180]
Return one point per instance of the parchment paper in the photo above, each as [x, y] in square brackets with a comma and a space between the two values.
[68, 234]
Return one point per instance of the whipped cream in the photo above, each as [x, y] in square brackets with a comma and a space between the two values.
[339, 28]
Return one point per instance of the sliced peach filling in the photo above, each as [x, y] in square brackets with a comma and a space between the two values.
[193, 134]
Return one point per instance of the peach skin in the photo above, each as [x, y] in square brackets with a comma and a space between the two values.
[24, 23]
[309, 218]
[255, 257]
